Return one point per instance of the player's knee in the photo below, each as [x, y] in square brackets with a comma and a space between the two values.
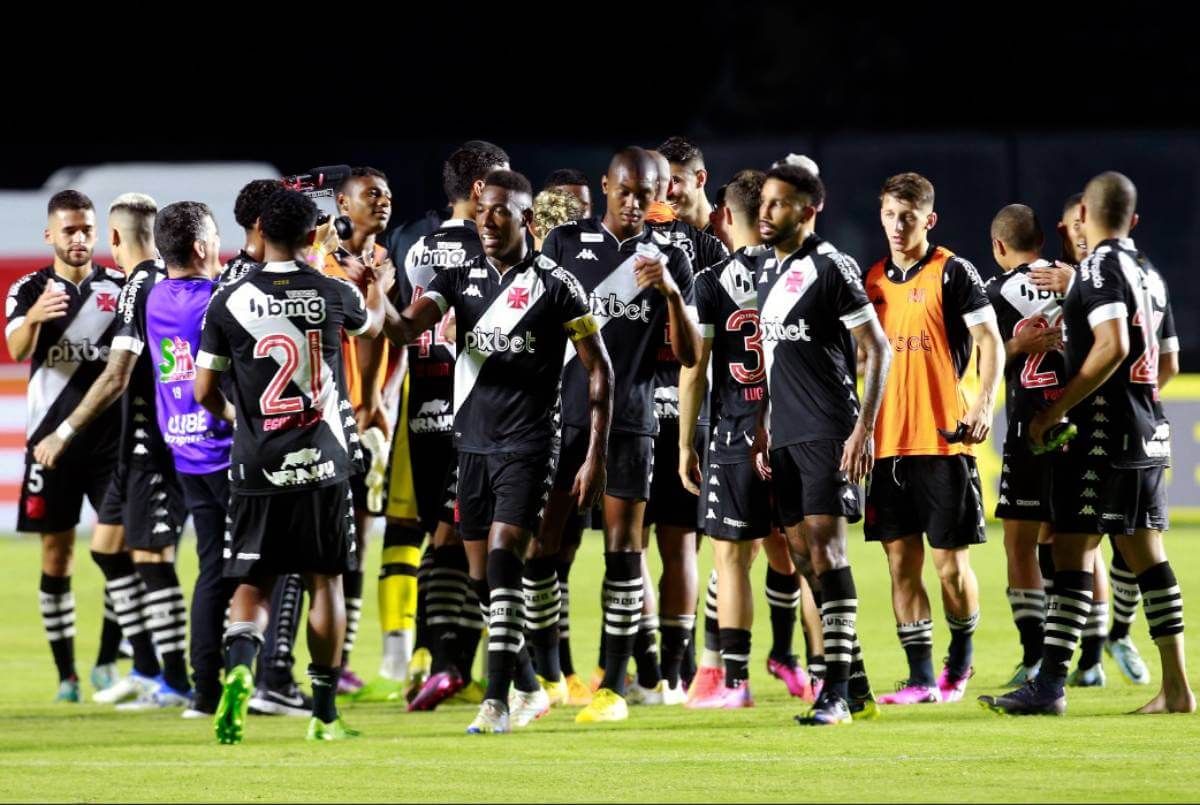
[58, 554]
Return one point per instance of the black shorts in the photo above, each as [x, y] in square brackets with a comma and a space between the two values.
[435, 478]
[807, 481]
[507, 488]
[51, 499]
[630, 462]
[148, 502]
[1024, 486]
[737, 502]
[1093, 497]
[939, 496]
[303, 531]
[670, 504]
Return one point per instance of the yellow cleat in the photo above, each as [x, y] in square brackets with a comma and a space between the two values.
[556, 691]
[606, 705]
[471, 694]
[597, 679]
[578, 693]
[419, 665]
[865, 708]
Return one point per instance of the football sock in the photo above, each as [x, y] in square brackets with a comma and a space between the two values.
[58, 619]
[859, 686]
[676, 635]
[712, 627]
[783, 596]
[1045, 553]
[506, 620]
[1029, 615]
[324, 681]
[125, 588]
[542, 604]
[277, 659]
[1125, 596]
[1163, 601]
[445, 596]
[397, 597]
[839, 616]
[165, 616]
[917, 640]
[735, 649]
[645, 651]
[470, 626]
[1095, 632]
[962, 647]
[422, 638]
[622, 605]
[110, 634]
[352, 590]
[565, 662]
[1066, 615]
[241, 641]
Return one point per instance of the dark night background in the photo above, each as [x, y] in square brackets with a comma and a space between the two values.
[993, 103]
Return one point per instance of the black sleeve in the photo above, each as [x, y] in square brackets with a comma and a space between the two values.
[354, 308]
[681, 269]
[215, 351]
[553, 245]
[130, 335]
[570, 303]
[444, 288]
[707, 300]
[1006, 318]
[844, 292]
[1103, 289]
[21, 296]
[710, 252]
[963, 292]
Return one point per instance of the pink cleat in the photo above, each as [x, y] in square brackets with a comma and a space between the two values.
[952, 690]
[818, 684]
[794, 677]
[912, 694]
[707, 683]
[437, 688]
[726, 698]
[349, 682]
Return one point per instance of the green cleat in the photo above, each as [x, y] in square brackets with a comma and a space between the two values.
[105, 676]
[68, 691]
[380, 690]
[1125, 654]
[337, 730]
[864, 708]
[1023, 675]
[1087, 677]
[230, 720]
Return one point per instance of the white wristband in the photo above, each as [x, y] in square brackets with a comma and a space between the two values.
[65, 431]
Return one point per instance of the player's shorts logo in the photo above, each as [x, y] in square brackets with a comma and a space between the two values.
[35, 507]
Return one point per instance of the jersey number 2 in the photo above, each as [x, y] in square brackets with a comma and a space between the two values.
[1145, 368]
[271, 400]
[1031, 378]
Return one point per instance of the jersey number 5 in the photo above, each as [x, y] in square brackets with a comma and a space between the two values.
[753, 344]
[1031, 378]
[287, 353]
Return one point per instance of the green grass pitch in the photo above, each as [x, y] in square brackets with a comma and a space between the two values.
[929, 753]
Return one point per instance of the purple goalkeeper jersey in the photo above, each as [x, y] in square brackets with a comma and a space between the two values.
[174, 315]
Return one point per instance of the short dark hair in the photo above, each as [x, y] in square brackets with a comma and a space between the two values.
[510, 180]
[681, 151]
[565, 176]
[250, 201]
[1073, 200]
[177, 227]
[362, 171]
[743, 194]
[1017, 227]
[287, 218]
[719, 196]
[806, 183]
[69, 200]
[911, 187]
[1112, 198]
[471, 161]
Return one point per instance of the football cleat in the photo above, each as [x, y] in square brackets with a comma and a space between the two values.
[492, 719]
[472, 693]
[160, 698]
[1125, 654]
[558, 691]
[105, 676]
[289, 701]
[349, 683]
[792, 676]
[526, 707]
[636, 694]
[674, 695]
[1087, 677]
[952, 688]
[707, 682]
[1026, 701]
[230, 719]
[380, 690]
[606, 705]
[437, 689]
[419, 667]
[578, 693]
[200, 708]
[335, 730]
[1024, 674]
[68, 691]
[913, 694]
[726, 698]
[827, 711]
[133, 686]
[864, 708]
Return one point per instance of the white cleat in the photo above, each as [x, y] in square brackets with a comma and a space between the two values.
[675, 695]
[636, 694]
[134, 686]
[525, 708]
[492, 719]
[161, 698]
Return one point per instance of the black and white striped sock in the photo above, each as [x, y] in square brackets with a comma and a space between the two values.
[735, 650]
[676, 635]
[110, 634]
[422, 637]
[962, 649]
[1162, 600]
[1125, 596]
[125, 588]
[917, 640]
[711, 658]
[446, 591]
[622, 605]
[352, 591]
[839, 617]
[1066, 616]
[1095, 632]
[165, 616]
[783, 597]
[506, 621]
[58, 619]
[543, 603]
[1029, 614]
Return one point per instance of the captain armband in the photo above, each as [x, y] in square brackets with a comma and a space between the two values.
[582, 327]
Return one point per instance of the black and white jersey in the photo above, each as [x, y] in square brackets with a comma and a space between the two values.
[1123, 421]
[431, 359]
[807, 304]
[278, 330]
[631, 320]
[727, 306]
[142, 443]
[1032, 382]
[70, 352]
[703, 250]
[512, 332]
[238, 266]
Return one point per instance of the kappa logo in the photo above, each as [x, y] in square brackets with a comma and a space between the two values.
[1088, 511]
[1099, 434]
[1004, 500]
[712, 515]
[1099, 402]
[712, 497]
[586, 254]
[1100, 419]
[713, 481]
[849, 494]
[106, 302]
[1088, 493]
[1097, 451]
[1090, 476]
[473, 290]
[161, 528]
[518, 298]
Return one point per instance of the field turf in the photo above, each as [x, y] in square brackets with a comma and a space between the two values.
[928, 753]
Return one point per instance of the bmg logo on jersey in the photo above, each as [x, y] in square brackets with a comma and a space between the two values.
[299, 305]
[75, 352]
[776, 330]
[496, 340]
[612, 307]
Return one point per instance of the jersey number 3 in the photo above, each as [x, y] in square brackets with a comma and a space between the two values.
[283, 348]
[753, 344]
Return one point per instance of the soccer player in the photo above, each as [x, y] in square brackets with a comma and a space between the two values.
[1030, 322]
[278, 332]
[516, 310]
[810, 304]
[552, 207]
[934, 309]
[689, 177]
[420, 497]
[574, 182]
[639, 282]
[63, 318]
[1110, 479]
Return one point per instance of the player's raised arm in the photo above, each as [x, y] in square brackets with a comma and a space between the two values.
[404, 327]
[685, 336]
[26, 320]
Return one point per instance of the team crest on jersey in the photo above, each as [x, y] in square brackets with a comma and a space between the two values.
[795, 281]
[106, 302]
[177, 364]
[518, 298]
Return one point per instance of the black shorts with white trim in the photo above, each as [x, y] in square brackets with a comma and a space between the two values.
[509, 488]
[737, 502]
[807, 481]
[630, 463]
